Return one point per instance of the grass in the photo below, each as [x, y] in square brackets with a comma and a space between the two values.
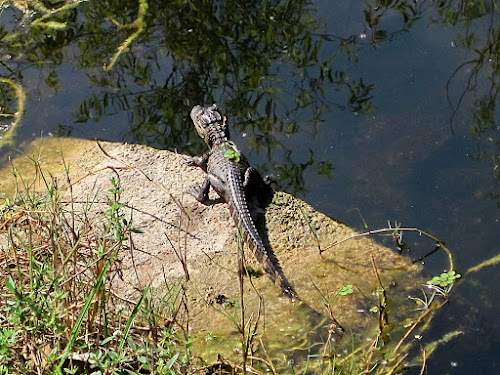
[59, 315]
[57, 311]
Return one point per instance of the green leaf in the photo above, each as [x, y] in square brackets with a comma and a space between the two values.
[325, 168]
[10, 284]
[232, 153]
[345, 290]
[171, 361]
[444, 279]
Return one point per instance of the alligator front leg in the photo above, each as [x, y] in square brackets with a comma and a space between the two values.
[199, 192]
[198, 161]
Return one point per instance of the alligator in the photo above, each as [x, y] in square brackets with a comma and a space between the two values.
[229, 174]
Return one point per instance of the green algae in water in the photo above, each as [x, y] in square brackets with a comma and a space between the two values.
[10, 92]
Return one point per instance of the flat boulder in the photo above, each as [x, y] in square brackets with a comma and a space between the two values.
[181, 244]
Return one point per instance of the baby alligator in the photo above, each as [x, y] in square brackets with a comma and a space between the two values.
[228, 172]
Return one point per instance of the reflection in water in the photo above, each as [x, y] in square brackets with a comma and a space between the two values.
[265, 62]
[12, 100]
[246, 56]
[476, 82]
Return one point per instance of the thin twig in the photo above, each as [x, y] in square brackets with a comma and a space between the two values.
[414, 325]
[398, 363]
[424, 361]
[179, 256]
[268, 360]
[385, 230]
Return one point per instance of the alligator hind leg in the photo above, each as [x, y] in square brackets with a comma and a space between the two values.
[256, 187]
[201, 192]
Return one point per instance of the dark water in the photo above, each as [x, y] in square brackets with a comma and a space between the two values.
[371, 111]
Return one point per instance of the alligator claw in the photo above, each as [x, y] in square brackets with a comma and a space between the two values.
[190, 161]
[197, 161]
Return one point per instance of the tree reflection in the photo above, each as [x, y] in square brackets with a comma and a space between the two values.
[477, 81]
[200, 52]
[263, 61]
[250, 57]
[377, 13]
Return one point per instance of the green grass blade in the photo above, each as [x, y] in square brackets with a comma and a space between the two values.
[84, 311]
[131, 320]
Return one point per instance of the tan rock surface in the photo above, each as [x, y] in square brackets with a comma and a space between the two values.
[174, 225]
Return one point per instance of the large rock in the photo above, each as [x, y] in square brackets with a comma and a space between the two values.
[182, 239]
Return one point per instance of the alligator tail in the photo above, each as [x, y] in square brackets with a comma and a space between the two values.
[270, 264]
